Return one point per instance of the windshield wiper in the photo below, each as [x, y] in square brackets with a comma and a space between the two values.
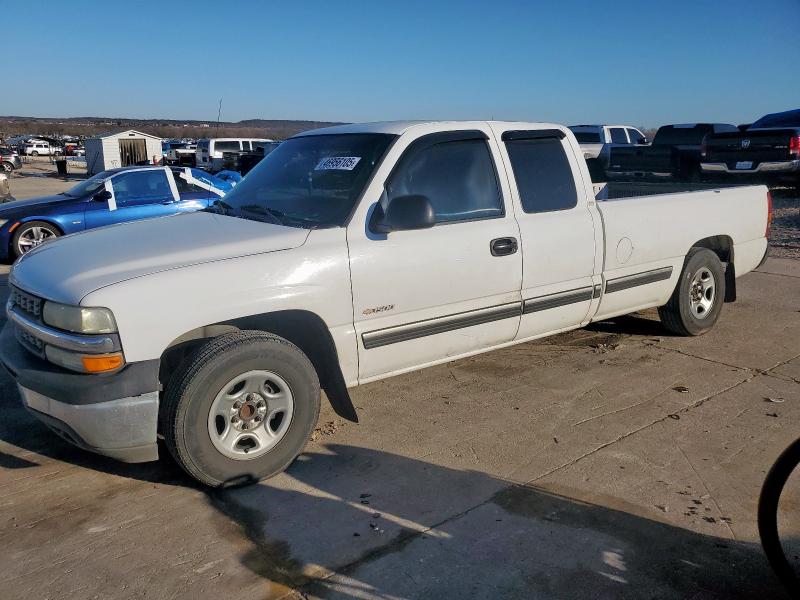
[275, 215]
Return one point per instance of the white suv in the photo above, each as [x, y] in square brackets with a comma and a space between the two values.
[40, 148]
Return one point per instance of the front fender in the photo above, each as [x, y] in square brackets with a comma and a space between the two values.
[153, 310]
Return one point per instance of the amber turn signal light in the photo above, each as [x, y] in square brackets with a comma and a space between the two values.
[103, 362]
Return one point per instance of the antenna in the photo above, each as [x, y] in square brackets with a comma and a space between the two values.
[219, 113]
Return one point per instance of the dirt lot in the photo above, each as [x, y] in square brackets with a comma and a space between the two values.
[612, 462]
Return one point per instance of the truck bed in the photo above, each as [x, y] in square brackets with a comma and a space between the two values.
[614, 190]
[649, 227]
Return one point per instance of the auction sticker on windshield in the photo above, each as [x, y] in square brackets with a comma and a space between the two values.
[338, 163]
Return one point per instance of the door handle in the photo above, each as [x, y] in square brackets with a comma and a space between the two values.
[503, 246]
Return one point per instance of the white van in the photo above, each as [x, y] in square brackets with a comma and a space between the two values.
[209, 151]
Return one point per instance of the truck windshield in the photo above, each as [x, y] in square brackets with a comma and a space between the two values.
[310, 181]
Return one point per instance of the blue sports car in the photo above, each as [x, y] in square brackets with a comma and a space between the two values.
[113, 196]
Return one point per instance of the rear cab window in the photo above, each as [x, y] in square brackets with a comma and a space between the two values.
[587, 137]
[544, 177]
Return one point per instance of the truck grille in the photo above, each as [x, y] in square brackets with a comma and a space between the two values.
[30, 305]
[31, 343]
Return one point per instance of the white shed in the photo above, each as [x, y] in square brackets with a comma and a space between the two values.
[113, 150]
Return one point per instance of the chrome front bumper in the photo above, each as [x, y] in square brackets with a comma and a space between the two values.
[786, 166]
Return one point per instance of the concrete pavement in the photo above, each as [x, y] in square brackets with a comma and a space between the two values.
[612, 462]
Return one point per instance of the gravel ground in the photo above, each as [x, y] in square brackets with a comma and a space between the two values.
[785, 232]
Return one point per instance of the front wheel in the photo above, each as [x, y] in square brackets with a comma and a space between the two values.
[7, 167]
[697, 301]
[240, 409]
[30, 235]
[34, 153]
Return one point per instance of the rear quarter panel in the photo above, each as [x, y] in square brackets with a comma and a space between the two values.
[651, 232]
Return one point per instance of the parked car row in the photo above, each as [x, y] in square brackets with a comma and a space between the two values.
[114, 196]
[767, 150]
[34, 147]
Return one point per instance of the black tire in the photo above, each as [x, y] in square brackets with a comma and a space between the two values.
[768, 505]
[677, 315]
[34, 153]
[192, 389]
[7, 167]
[18, 250]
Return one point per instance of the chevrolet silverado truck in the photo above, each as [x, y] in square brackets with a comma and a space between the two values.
[768, 150]
[674, 153]
[348, 255]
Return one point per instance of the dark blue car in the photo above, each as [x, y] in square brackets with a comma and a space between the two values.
[113, 196]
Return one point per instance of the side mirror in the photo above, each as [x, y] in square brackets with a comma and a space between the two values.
[641, 141]
[406, 212]
[102, 196]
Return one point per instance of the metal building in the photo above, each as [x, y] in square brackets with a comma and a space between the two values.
[112, 150]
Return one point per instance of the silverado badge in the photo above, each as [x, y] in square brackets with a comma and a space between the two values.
[378, 309]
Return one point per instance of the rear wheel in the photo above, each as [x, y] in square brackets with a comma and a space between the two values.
[7, 167]
[241, 408]
[30, 235]
[696, 303]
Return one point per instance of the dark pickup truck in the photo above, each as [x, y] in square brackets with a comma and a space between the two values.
[674, 153]
[769, 150]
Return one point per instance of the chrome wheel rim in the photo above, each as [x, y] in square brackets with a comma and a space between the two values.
[33, 237]
[702, 292]
[250, 415]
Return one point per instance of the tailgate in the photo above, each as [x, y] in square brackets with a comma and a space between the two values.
[648, 159]
[754, 147]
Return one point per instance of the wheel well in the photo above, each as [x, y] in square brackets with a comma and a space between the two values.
[23, 223]
[722, 246]
[304, 329]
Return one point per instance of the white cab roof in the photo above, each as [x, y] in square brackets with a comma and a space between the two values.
[400, 127]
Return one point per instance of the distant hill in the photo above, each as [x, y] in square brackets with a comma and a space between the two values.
[165, 128]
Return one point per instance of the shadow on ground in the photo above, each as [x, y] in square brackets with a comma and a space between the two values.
[388, 526]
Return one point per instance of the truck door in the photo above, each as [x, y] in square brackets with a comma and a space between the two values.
[423, 296]
[557, 231]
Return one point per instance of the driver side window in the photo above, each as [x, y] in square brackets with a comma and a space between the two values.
[457, 177]
[141, 187]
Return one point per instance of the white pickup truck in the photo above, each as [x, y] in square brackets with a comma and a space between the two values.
[348, 255]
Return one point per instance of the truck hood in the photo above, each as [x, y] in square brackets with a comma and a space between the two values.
[69, 268]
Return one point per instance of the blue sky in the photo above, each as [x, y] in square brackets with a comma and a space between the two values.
[643, 62]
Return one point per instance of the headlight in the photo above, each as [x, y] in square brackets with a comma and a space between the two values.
[79, 319]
